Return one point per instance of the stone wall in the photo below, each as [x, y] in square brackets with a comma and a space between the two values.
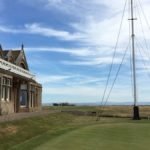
[7, 107]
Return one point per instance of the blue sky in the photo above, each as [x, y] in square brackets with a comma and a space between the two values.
[69, 46]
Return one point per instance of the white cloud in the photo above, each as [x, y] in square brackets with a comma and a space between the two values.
[91, 29]
[52, 78]
[78, 91]
[84, 93]
[86, 56]
[49, 32]
[93, 34]
[81, 52]
[74, 7]
[6, 29]
[95, 30]
[94, 62]
[74, 80]
[68, 79]
[37, 29]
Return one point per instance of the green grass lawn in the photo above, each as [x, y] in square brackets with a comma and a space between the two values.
[63, 131]
[126, 136]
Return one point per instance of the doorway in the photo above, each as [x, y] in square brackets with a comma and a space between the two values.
[23, 98]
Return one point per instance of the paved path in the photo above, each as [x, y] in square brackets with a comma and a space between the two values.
[19, 116]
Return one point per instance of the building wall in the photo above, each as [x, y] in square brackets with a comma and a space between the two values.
[7, 107]
[35, 91]
[6, 100]
[19, 95]
[19, 92]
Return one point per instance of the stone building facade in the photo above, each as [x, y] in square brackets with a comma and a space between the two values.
[19, 91]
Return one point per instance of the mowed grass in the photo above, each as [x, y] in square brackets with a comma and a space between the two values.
[126, 136]
[64, 131]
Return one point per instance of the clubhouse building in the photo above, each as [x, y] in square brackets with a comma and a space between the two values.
[19, 91]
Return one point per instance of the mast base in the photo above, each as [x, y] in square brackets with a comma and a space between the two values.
[136, 115]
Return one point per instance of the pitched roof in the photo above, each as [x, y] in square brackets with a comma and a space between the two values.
[16, 53]
[1, 53]
[5, 52]
[14, 56]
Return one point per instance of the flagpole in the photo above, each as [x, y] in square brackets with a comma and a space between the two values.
[135, 107]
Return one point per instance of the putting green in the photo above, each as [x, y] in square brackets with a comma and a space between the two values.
[121, 136]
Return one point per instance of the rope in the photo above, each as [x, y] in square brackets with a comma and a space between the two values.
[147, 54]
[146, 20]
[143, 31]
[117, 74]
[120, 65]
[143, 61]
[114, 54]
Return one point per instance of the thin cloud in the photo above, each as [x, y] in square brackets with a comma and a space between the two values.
[86, 92]
[69, 79]
[87, 56]
[44, 79]
[73, 51]
[94, 62]
[37, 29]
[93, 29]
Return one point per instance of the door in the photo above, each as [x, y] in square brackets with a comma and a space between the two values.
[23, 98]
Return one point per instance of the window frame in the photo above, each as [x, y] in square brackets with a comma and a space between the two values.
[6, 86]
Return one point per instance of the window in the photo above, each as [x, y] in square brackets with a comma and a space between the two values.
[23, 95]
[32, 96]
[23, 98]
[3, 93]
[8, 82]
[0, 88]
[6, 89]
[4, 81]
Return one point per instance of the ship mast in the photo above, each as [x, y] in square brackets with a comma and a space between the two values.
[135, 107]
